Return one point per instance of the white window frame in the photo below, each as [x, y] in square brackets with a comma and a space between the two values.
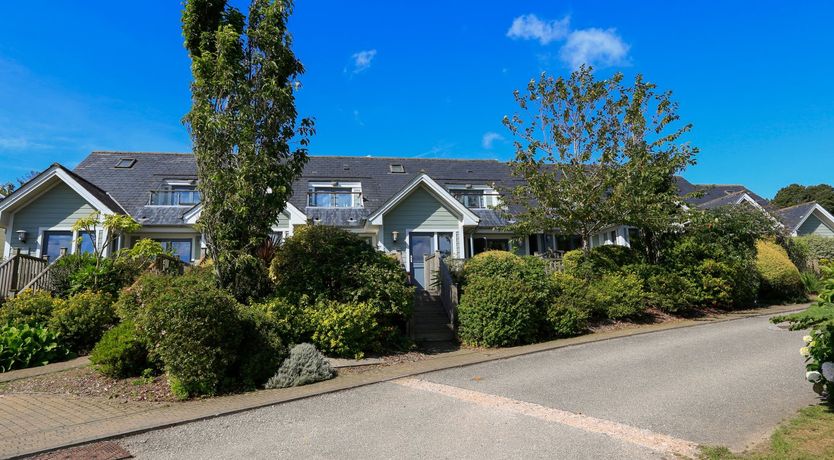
[355, 188]
[435, 242]
[489, 195]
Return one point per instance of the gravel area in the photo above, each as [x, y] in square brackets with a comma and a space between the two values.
[88, 382]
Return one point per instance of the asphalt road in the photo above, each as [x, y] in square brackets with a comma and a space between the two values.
[646, 396]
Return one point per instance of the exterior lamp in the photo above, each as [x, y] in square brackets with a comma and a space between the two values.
[394, 235]
[22, 235]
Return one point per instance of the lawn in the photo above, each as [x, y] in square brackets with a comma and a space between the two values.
[809, 435]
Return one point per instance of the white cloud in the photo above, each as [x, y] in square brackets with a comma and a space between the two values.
[490, 138]
[362, 60]
[596, 47]
[530, 27]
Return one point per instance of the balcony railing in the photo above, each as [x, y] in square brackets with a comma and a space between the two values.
[476, 199]
[175, 198]
[334, 199]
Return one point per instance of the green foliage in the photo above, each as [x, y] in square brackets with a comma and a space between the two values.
[501, 311]
[243, 126]
[321, 263]
[120, 353]
[112, 226]
[567, 320]
[811, 282]
[288, 317]
[28, 307]
[609, 154]
[23, 346]
[781, 280]
[819, 248]
[82, 319]
[795, 194]
[261, 349]
[600, 260]
[345, 329]
[304, 365]
[192, 327]
[670, 292]
[320, 260]
[820, 312]
[618, 295]
[503, 264]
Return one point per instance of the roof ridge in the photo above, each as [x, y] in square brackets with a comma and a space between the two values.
[798, 205]
[126, 152]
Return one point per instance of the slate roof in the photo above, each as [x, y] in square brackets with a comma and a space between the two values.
[131, 187]
[793, 215]
[710, 196]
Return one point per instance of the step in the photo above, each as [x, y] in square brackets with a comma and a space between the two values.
[434, 337]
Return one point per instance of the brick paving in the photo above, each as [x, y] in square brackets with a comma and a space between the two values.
[36, 423]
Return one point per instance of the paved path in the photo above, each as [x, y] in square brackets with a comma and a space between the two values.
[647, 396]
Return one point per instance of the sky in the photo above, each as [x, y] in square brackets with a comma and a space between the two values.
[433, 78]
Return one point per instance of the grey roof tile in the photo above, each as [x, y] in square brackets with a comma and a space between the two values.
[793, 215]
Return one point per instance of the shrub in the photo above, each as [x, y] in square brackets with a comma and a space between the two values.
[780, 277]
[28, 307]
[502, 264]
[82, 319]
[25, 346]
[288, 318]
[602, 260]
[811, 282]
[193, 328]
[120, 353]
[501, 311]
[818, 247]
[573, 292]
[346, 329]
[319, 260]
[304, 365]
[665, 289]
[618, 295]
[385, 284]
[571, 261]
[567, 321]
[261, 349]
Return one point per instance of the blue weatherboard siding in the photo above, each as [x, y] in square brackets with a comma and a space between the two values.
[814, 226]
[420, 210]
[59, 207]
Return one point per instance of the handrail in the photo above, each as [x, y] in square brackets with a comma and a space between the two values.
[45, 275]
[19, 270]
[439, 280]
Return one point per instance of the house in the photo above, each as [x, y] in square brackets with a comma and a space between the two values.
[399, 205]
[407, 206]
[807, 219]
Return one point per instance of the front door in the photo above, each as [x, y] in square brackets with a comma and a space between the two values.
[420, 245]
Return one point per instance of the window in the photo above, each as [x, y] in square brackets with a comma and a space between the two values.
[179, 247]
[54, 241]
[176, 194]
[481, 244]
[475, 197]
[125, 163]
[396, 169]
[87, 243]
[335, 195]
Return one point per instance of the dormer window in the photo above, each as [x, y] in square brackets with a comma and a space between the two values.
[176, 193]
[334, 195]
[475, 196]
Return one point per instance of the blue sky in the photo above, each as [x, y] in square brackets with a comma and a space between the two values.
[433, 79]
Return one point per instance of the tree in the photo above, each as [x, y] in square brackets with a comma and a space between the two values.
[113, 225]
[595, 153]
[9, 187]
[243, 124]
[795, 194]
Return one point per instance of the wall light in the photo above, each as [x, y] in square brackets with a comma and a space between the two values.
[394, 235]
[22, 235]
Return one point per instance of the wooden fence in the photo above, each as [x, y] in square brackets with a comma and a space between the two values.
[440, 282]
[21, 270]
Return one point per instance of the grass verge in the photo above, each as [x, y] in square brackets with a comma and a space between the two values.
[809, 435]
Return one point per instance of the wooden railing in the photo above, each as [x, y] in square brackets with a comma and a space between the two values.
[439, 281]
[43, 280]
[167, 264]
[18, 272]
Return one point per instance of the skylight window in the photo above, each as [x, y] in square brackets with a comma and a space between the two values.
[125, 163]
[396, 168]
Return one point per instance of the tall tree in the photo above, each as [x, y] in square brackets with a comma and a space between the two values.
[9, 187]
[794, 194]
[248, 141]
[595, 153]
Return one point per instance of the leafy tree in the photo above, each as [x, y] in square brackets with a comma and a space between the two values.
[595, 153]
[9, 187]
[794, 194]
[243, 125]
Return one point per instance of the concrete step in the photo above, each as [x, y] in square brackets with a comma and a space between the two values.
[434, 337]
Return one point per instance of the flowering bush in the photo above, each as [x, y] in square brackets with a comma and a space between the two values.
[819, 344]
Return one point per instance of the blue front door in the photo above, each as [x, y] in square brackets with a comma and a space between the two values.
[420, 245]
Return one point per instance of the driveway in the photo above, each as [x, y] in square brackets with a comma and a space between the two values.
[649, 396]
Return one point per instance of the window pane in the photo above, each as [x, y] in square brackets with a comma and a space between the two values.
[498, 245]
[87, 245]
[54, 241]
[342, 197]
[445, 243]
[321, 199]
[182, 249]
